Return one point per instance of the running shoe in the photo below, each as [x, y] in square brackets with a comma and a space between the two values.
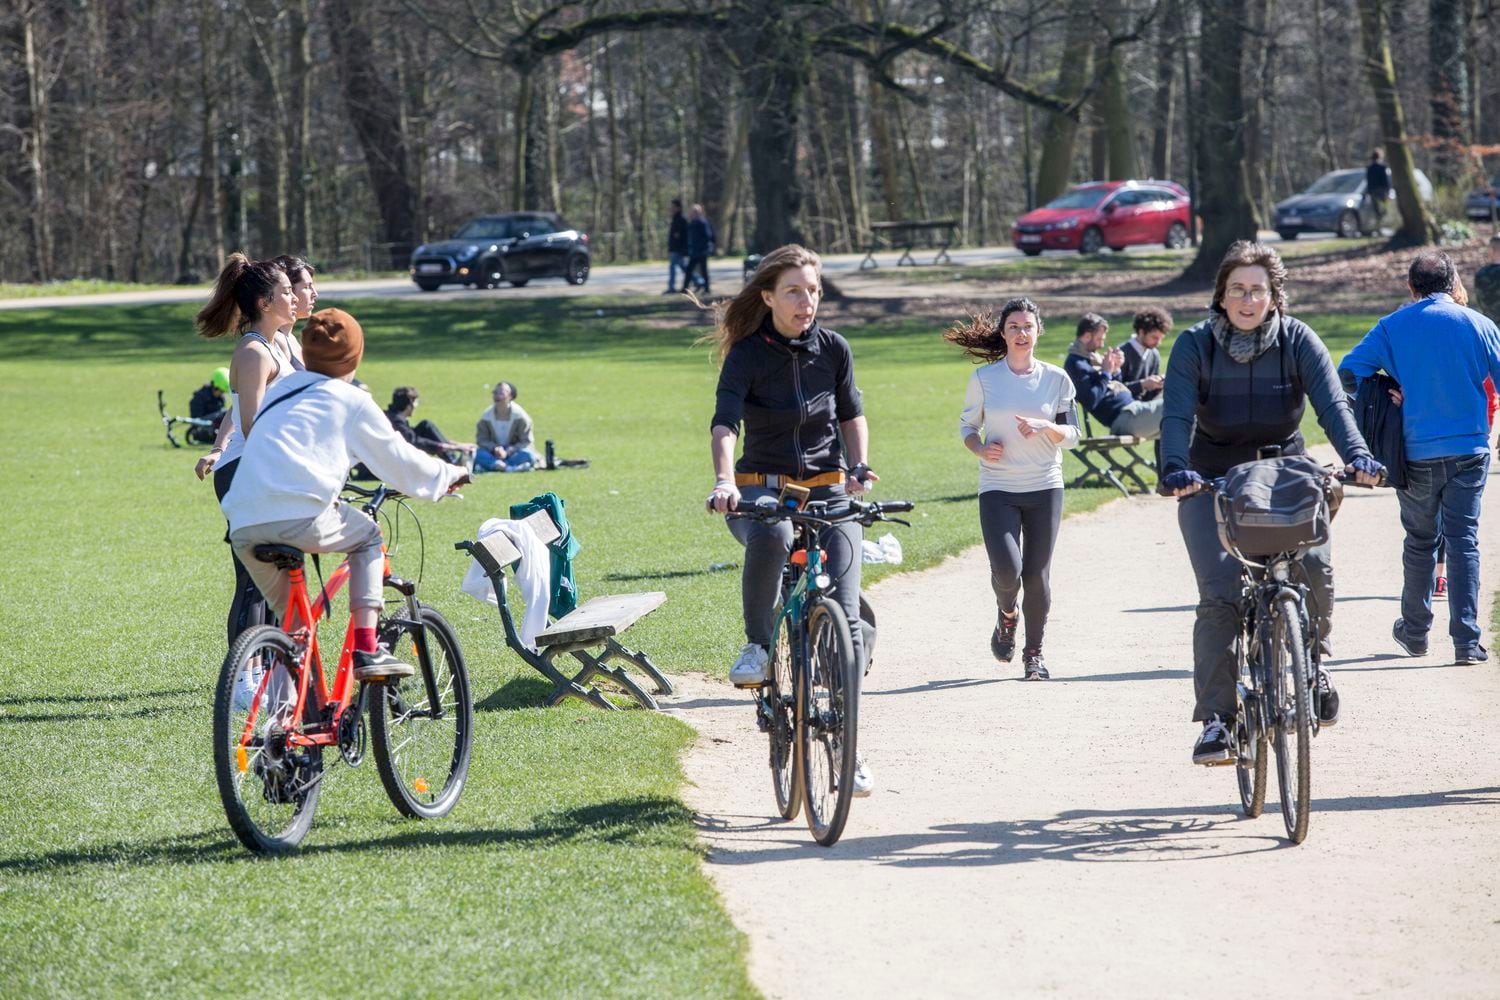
[1410, 644]
[864, 778]
[1328, 699]
[1034, 666]
[750, 668]
[1216, 743]
[379, 666]
[1003, 639]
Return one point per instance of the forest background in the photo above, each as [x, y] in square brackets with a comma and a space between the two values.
[143, 140]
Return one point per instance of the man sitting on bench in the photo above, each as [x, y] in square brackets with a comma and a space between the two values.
[1141, 367]
[1095, 371]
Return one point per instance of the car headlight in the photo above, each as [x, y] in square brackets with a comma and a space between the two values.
[1065, 224]
[468, 252]
[1350, 203]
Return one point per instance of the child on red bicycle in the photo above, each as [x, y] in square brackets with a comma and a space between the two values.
[307, 435]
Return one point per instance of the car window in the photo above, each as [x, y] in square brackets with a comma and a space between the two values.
[484, 229]
[539, 226]
[1158, 194]
[1078, 198]
[1338, 182]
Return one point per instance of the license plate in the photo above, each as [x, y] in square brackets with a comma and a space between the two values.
[1291, 220]
[429, 268]
[1031, 239]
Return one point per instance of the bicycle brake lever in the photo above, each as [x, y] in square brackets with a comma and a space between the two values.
[896, 520]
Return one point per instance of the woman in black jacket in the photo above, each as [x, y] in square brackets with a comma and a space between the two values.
[790, 383]
[1237, 382]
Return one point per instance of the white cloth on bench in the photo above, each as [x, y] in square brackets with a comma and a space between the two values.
[533, 574]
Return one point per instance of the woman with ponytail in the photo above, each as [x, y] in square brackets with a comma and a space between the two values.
[255, 300]
[790, 382]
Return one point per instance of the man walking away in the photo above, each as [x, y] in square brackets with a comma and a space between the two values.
[1378, 186]
[677, 247]
[1486, 297]
[1140, 368]
[1441, 353]
[700, 241]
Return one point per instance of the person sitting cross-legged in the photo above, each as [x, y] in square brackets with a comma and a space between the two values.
[504, 435]
[1095, 371]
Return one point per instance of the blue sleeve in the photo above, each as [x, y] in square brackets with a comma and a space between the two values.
[1091, 384]
[1180, 400]
[1491, 337]
[1369, 356]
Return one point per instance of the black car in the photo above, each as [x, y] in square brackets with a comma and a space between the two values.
[1481, 203]
[513, 247]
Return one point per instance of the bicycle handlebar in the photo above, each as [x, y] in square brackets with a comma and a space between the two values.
[865, 513]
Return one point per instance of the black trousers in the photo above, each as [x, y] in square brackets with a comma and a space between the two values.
[1020, 532]
[697, 264]
[247, 608]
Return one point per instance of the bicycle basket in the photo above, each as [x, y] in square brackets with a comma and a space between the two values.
[1275, 505]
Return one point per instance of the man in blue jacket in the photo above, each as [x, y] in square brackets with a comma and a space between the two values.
[1095, 371]
[1440, 353]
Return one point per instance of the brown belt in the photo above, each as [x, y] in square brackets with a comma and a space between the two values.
[776, 482]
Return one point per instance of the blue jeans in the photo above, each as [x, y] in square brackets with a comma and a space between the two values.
[1441, 499]
[676, 262]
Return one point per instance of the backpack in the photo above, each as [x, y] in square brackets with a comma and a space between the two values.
[1276, 505]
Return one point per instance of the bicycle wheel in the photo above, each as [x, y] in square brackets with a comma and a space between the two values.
[1250, 765]
[1289, 684]
[422, 745]
[827, 721]
[269, 791]
[786, 777]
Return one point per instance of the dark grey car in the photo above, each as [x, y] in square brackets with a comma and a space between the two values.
[1336, 203]
[1481, 202]
[514, 248]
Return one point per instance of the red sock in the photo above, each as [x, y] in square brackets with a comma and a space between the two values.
[364, 640]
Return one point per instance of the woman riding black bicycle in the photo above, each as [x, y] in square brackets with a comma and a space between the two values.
[1238, 383]
[790, 382]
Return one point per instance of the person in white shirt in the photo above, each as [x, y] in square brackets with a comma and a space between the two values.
[308, 433]
[504, 434]
[1018, 415]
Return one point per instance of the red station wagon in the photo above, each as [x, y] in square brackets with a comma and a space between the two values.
[1114, 214]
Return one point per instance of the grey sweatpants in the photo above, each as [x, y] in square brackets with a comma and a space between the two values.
[1214, 632]
[340, 528]
[766, 549]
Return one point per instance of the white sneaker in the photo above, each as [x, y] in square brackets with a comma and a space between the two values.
[864, 778]
[246, 683]
[750, 669]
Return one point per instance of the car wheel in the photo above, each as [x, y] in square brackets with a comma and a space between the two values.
[518, 282]
[1117, 249]
[1349, 224]
[429, 286]
[1288, 234]
[578, 269]
[491, 273]
[1091, 240]
[1177, 236]
[1030, 252]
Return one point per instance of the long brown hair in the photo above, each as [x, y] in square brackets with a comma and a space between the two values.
[742, 315]
[982, 336]
[236, 298]
[1247, 253]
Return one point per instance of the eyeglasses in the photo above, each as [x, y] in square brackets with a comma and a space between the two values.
[1255, 293]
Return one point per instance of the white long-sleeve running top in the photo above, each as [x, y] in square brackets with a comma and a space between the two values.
[995, 397]
[299, 453]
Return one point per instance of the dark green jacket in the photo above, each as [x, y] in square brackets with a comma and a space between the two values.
[562, 549]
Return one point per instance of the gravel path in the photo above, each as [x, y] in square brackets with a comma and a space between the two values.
[1053, 838]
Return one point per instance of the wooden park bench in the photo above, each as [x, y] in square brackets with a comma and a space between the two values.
[1110, 459]
[588, 632]
[905, 235]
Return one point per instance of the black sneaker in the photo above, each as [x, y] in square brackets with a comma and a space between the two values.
[1465, 655]
[1003, 639]
[379, 666]
[1410, 644]
[1033, 665]
[1328, 700]
[1216, 743]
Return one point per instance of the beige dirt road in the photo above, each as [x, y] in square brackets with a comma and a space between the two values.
[1053, 839]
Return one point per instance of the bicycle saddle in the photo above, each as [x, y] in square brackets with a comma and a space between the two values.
[280, 556]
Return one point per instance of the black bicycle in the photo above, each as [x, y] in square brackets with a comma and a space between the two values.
[809, 705]
[1278, 699]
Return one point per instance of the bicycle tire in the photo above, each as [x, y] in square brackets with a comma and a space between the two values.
[827, 721]
[786, 775]
[423, 762]
[1294, 720]
[1250, 780]
[283, 794]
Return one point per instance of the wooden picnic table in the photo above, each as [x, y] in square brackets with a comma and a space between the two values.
[905, 234]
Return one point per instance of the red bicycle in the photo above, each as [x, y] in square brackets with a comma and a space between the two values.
[276, 711]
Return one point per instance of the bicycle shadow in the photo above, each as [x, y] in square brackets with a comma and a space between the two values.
[646, 822]
[1168, 833]
[112, 707]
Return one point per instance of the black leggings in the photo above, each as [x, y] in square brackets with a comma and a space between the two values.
[1020, 531]
[247, 607]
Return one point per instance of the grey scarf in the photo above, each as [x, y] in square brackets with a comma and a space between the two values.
[1245, 346]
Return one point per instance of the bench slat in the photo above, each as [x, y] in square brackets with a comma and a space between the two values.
[541, 525]
[600, 618]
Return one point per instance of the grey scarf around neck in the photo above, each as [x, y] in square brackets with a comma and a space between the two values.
[1245, 346]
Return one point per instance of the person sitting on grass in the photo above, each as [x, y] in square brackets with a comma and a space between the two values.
[425, 435]
[504, 435]
[313, 426]
[1095, 371]
[210, 403]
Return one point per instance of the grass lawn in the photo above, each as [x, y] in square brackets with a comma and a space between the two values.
[118, 874]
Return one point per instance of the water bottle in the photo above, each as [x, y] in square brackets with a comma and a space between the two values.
[551, 464]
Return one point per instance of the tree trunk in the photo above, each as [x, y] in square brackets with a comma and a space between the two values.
[268, 127]
[715, 109]
[1118, 121]
[34, 131]
[373, 110]
[1417, 227]
[611, 104]
[1223, 188]
[1075, 67]
[1330, 158]
[1257, 142]
[1448, 87]
[300, 164]
[1168, 44]
[774, 79]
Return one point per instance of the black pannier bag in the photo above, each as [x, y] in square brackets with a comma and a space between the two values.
[1276, 505]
